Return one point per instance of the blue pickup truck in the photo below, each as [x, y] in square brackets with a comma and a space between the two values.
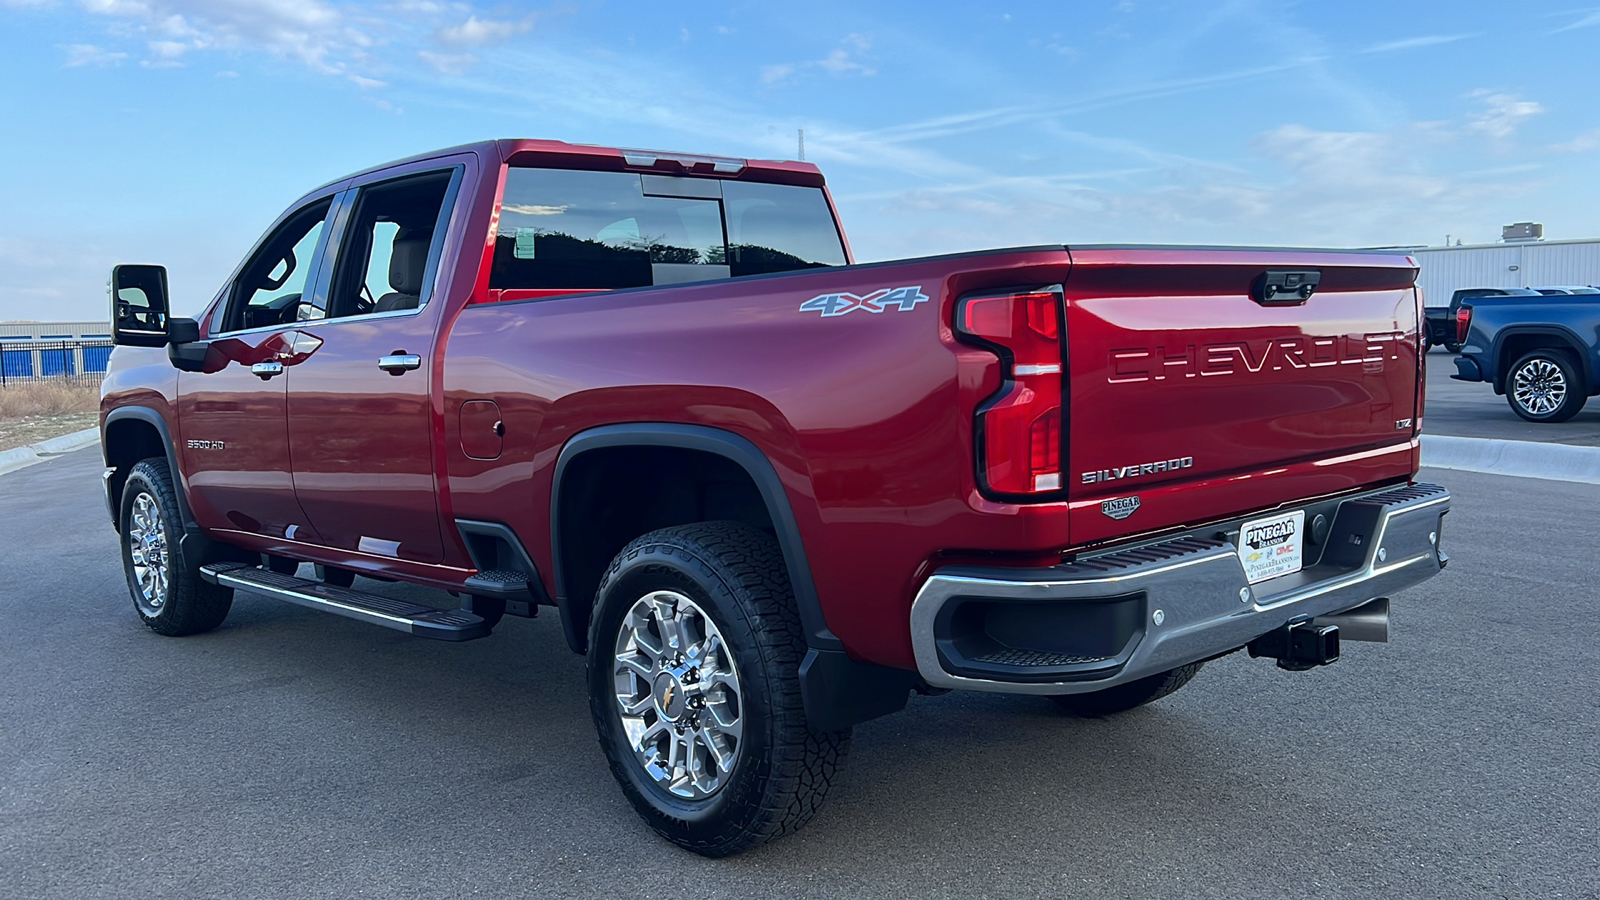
[1539, 351]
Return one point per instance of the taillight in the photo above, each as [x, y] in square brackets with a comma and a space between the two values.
[1463, 323]
[1019, 428]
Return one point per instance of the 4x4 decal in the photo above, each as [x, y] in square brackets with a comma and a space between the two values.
[906, 298]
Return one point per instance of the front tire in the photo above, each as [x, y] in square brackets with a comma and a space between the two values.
[1124, 697]
[168, 592]
[1545, 386]
[694, 654]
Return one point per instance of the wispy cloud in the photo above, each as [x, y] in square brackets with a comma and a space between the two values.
[476, 32]
[332, 38]
[1308, 186]
[1586, 19]
[1501, 113]
[1413, 43]
[980, 120]
[90, 55]
[310, 31]
[845, 59]
[1583, 143]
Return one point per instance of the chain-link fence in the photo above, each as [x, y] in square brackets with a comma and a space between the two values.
[33, 362]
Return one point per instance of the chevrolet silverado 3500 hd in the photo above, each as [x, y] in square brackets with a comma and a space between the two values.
[769, 491]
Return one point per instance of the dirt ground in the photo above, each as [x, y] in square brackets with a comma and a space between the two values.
[37, 411]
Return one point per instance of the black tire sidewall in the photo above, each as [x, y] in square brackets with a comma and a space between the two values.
[191, 605]
[138, 483]
[710, 821]
[1576, 389]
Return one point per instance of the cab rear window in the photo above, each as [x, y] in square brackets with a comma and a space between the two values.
[566, 229]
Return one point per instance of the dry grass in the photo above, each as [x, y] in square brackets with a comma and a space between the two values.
[47, 398]
[39, 410]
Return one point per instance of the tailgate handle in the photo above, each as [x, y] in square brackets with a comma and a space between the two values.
[1285, 287]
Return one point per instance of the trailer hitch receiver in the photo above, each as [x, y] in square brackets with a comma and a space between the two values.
[1299, 645]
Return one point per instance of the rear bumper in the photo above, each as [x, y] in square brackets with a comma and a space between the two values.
[1467, 369]
[1111, 618]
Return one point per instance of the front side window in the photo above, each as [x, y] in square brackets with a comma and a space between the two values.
[271, 285]
[566, 229]
[383, 256]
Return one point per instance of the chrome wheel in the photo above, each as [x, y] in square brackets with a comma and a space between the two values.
[147, 547]
[1539, 386]
[677, 694]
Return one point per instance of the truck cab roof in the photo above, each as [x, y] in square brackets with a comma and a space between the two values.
[538, 152]
[1556, 290]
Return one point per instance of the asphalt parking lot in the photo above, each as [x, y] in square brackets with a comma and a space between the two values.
[1473, 409]
[293, 754]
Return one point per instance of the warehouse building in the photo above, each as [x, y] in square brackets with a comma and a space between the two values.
[1522, 259]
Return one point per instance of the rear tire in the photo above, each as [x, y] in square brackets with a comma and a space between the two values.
[1128, 696]
[1545, 386]
[707, 736]
[168, 593]
[1450, 347]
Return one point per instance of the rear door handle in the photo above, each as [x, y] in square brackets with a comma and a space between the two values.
[266, 370]
[399, 362]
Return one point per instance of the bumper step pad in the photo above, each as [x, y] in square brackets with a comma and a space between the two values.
[400, 615]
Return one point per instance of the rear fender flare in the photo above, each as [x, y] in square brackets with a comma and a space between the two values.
[1559, 332]
[733, 447]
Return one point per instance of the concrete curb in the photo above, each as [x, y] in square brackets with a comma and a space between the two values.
[1519, 459]
[68, 442]
[23, 457]
[12, 460]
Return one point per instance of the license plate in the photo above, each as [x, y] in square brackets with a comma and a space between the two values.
[1273, 546]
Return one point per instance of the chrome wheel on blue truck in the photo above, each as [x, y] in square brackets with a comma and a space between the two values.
[1544, 386]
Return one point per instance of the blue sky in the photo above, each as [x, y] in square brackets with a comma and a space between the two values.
[174, 131]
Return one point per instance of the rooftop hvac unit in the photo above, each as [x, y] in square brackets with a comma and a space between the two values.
[1522, 231]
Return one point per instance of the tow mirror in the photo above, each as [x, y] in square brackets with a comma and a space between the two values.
[139, 305]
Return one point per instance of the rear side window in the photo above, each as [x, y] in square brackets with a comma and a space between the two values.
[564, 229]
[778, 228]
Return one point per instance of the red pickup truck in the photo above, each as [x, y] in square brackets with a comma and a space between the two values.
[769, 491]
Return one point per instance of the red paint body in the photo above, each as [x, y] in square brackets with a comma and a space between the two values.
[867, 418]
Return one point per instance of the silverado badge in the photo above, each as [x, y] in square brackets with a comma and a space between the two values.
[1120, 507]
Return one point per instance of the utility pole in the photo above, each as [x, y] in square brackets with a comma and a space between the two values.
[802, 145]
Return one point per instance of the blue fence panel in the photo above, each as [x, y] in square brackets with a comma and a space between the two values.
[96, 358]
[75, 360]
[56, 361]
[16, 363]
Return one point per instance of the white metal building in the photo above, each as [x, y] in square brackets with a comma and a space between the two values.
[1446, 270]
[55, 331]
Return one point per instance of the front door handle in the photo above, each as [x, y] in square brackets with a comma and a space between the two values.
[265, 370]
[399, 362]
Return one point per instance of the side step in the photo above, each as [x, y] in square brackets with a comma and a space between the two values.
[401, 615]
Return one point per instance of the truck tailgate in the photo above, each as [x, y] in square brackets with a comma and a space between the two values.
[1191, 399]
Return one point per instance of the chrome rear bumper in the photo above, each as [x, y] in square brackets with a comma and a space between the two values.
[1145, 610]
